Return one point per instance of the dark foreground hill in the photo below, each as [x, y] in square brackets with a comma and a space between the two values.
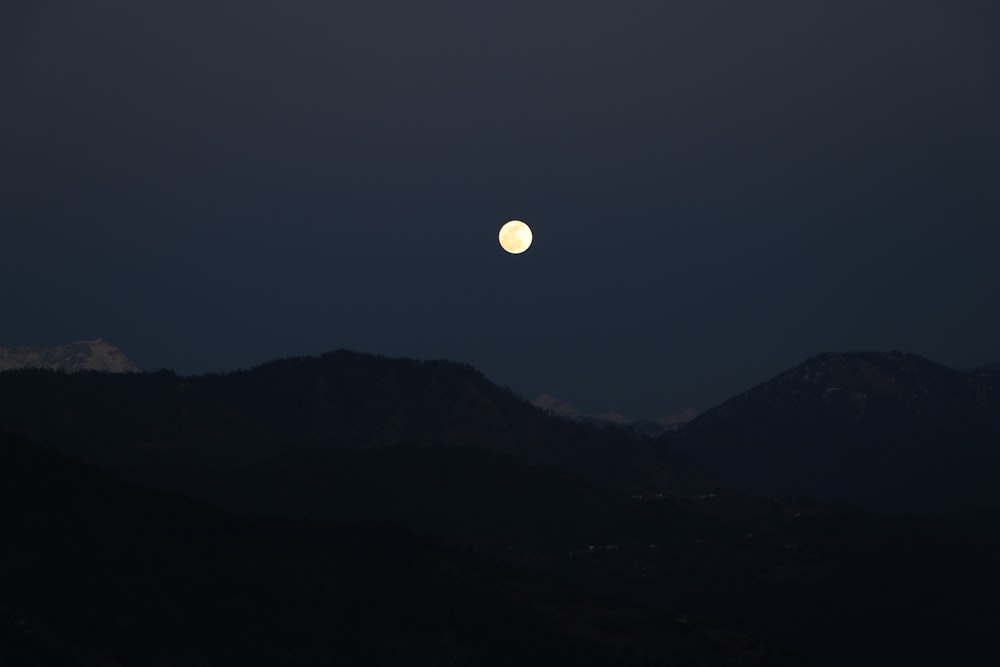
[885, 431]
[95, 572]
[837, 586]
[340, 400]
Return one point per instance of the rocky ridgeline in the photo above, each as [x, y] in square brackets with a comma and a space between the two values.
[86, 355]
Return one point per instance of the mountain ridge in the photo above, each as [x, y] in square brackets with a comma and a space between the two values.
[339, 399]
[895, 430]
[883, 428]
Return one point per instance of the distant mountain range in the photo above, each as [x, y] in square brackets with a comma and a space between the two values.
[85, 355]
[890, 431]
[647, 427]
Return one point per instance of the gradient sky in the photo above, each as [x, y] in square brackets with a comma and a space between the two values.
[718, 189]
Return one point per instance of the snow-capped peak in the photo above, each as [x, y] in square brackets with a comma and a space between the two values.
[92, 355]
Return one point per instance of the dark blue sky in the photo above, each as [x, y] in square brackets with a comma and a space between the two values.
[717, 189]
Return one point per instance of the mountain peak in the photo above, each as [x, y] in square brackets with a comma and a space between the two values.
[908, 381]
[83, 355]
[891, 431]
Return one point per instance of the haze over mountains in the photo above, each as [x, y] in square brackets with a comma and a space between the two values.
[561, 408]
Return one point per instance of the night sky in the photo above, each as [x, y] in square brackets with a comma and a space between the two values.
[717, 189]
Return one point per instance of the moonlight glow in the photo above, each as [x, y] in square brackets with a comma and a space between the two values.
[515, 237]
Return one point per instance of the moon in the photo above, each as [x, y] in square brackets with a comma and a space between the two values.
[515, 237]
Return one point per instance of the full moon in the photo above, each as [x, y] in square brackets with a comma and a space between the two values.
[515, 237]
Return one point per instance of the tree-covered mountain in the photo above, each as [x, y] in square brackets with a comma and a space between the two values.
[887, 431]
[340, 400]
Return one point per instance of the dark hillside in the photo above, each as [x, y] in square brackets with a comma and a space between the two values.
[94, 572]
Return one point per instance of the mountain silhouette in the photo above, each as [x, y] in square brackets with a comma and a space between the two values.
[889, 431]
[294, 449]
[340, 400]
